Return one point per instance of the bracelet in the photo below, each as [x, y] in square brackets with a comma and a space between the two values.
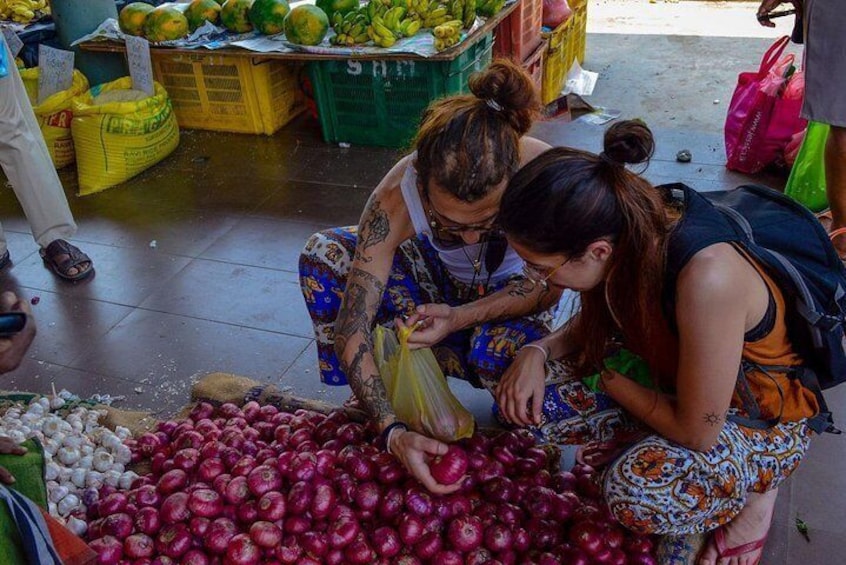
[388, 431]
[539, 348]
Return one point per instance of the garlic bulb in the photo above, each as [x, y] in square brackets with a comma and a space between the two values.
[123, 454]
[86, 462]
[103, 461]
[51, 471]
[68, 455]
[112, 478]
[17, 436]
[86, 450]
[123, 433]
[58, 493]
[77, 526]
[111, 441]
[94, 479]
[68, 504]
[73, 441]
[126, 480]
[78, 477]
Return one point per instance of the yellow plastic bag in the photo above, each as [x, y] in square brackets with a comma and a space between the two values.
[55, 114]
[418, 390]
[117, 140]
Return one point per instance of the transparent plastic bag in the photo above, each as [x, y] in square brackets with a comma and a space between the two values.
[417, 388]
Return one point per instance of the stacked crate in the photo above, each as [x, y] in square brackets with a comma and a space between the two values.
[518, 37]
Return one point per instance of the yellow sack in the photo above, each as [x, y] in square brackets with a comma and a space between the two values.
[116, 140]
[418, 390]
[55, 114]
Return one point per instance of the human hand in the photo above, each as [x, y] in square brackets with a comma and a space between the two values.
[13, 349]
[414, 451]
[768, 6]
[9, 447]
[522, 384]
[433, 322]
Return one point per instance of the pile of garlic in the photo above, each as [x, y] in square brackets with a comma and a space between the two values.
[80, 455]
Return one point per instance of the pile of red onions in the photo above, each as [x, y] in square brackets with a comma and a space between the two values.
[252, 485]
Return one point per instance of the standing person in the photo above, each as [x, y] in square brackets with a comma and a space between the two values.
[26, 162]
[825, 91]
[667, 277]
[428, 247]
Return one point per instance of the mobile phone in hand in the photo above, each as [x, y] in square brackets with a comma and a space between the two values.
[11, 323]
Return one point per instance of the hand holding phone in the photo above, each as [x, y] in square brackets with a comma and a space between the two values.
[11, 323]
[17, 330]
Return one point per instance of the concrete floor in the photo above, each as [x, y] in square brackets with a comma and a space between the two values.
[196, 258]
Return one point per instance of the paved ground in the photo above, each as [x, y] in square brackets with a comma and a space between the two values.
[196, 258]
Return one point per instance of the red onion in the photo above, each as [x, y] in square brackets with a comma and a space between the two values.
[418, 502]
[410, 529]
[316, 544]
[450, 467]
[263, 479]
[586, 536]
[271, 506]
[386, 541]
[205, 503]
[147, 521]
[247, 513]
[323, 501]
[429, 545]
[210, 469]
[172, 481]
[289, 551]
[448, 557]
[498, 537]
[198, 526]
[118, 526]
[174, 541]
[175, 508]
[342, 533]
[244, 466]
[265, 534]
[109, 550]
[359, 552]
[187, 459]
[298, 524]
[243, 551]
[195, 557]
[237, 491]
[138, 545]
[465, 533]
[113, 504]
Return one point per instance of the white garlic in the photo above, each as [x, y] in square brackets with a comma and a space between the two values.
[94, 479]
[52, 509]
[85, 462]
[68, 455]
[86, 450]
[77, 526]
[68, 504]
[64, 474]
[56, 403]
[65, 427]
[123, 454]
[58, 493]
[111, 441]
[126, 480]
[50, 426]
[119, 467]
[44, 402]
[78, 477]
[51, 471]
[103, 461]
[111, 478]
[73, 441]
[122, 432]
[17, 436]
[51, 446]
[77, 427]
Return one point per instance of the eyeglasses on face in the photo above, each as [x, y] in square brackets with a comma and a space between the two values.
[541, 275]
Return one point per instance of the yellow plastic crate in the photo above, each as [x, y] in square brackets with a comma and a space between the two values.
[228, 93]
[566, 42]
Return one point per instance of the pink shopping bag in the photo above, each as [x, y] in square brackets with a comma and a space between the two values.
[765, 112]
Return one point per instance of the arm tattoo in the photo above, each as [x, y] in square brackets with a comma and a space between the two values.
[361, 300]
[356, 318]
[375, 227]
[371, 391]
[520, 287]
[713, 419]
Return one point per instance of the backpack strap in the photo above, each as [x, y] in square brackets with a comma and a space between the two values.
[823, 421]
[747, 398]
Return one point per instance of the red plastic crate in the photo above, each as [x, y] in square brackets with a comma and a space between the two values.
[518, 35]
[534, 64]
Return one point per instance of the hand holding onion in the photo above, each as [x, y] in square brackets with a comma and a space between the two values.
[414, 451]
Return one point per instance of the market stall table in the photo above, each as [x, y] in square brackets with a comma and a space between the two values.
[366, 98]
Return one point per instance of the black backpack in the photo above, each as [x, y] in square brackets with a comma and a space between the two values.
[792, 245]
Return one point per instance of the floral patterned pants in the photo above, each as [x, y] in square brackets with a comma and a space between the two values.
[417, 277]
[659, 487]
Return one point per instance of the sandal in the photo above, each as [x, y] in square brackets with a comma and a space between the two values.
[5, 260]
[74, 260]
[724, 551]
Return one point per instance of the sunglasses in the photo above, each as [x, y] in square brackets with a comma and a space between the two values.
[448, 235]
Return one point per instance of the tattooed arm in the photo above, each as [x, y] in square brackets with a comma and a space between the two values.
[384, 225]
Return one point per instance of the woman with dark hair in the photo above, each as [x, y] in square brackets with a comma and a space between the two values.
[428, 249]
[682, 456]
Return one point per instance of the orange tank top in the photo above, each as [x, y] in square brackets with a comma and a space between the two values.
[777, 395]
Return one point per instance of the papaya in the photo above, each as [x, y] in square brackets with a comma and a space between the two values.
[201, 11]
[235, 15]
[132, 17]
[268, 16]
[165, 23]
[306, 25]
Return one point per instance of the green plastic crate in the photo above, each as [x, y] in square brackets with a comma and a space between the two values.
[375, 102]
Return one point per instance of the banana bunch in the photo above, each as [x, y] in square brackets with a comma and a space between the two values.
[447, 35]
[488, 8]
[435, 14]
[350, 29]
[23, 11]
[391, 25]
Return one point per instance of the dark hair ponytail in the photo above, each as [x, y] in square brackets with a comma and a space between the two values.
[565, 199]
[470, 143]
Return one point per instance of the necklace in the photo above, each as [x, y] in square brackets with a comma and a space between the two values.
[477, 269]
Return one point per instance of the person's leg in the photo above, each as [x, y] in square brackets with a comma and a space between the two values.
[659, 487]
[835, 180]
[26, 162]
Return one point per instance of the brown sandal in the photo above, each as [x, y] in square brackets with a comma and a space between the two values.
[74, 260]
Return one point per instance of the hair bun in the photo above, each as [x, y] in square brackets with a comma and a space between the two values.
[629, 142]
[505, 87]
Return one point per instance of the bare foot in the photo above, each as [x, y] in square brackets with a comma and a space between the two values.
[748, 527]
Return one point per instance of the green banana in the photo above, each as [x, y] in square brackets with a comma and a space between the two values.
[469, 13]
